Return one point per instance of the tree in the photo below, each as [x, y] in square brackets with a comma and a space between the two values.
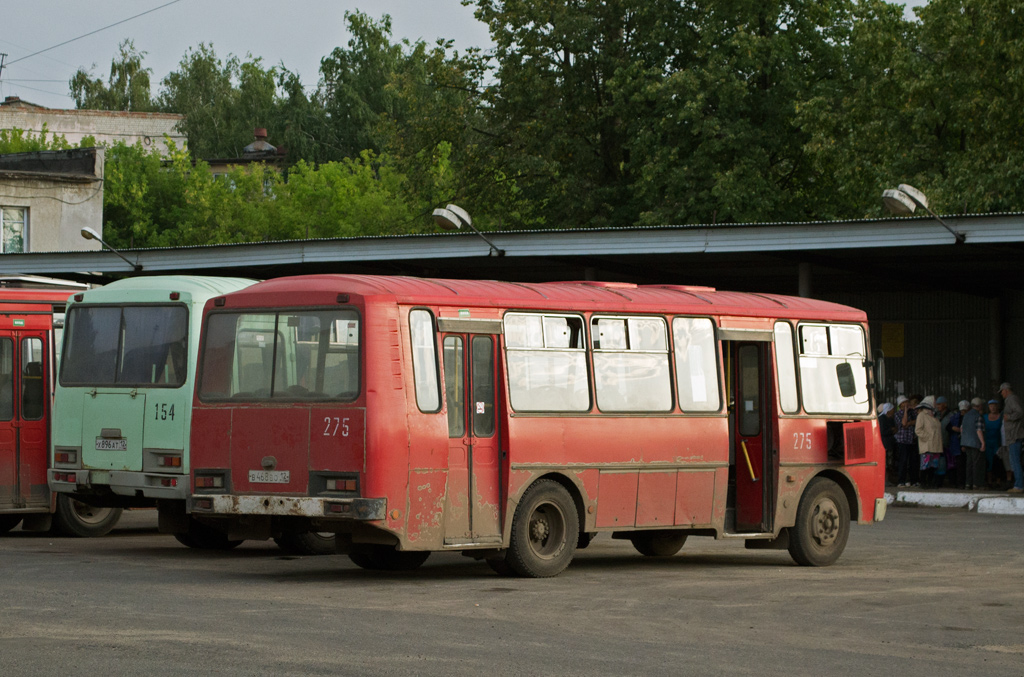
[16, 140]
[126, 90]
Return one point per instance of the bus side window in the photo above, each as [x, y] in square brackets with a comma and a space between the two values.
[6, 379]
[32, 388]
[696, 364]
[786, 364]
[424, 361]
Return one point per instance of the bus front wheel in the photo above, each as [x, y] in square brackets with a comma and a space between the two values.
[545, 530]
[657, 545]
[385, 558]
[307, 543]
[74, 518]
[822, 524]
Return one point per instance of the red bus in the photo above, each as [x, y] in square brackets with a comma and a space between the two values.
[31, 321]
[515, 422]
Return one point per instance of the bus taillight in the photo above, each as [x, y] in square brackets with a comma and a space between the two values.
[66, 457]
[169, 461]
[342, 485]
[209, 482]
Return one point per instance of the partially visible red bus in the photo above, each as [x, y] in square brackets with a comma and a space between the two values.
[515, 422]
[31, 321]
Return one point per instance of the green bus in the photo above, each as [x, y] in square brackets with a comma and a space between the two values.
[123, 402]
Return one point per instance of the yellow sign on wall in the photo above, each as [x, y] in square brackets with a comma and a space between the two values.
[892, 339]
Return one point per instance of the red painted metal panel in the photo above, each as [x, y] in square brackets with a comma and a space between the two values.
[278, 433]
[426, 508]
[695, 497]
[656, 499]
[857, 441]
[337, 439]
[616, 504]
[210, 442]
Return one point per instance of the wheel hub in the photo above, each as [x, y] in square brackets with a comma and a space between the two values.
[539, 529]
[825, 523]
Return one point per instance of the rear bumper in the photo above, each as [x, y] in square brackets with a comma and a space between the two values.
[362, 509]
[120, 482]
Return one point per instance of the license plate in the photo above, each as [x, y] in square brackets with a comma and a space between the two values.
[269, 476]
[107, 444]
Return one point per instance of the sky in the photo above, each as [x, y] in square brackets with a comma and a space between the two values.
[298, 33]
[299, 36]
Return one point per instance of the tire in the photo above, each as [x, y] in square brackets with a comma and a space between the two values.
[657, 545]
[203, 537]
[822, 525]
[74, 518]
[386, 558]
[307, 543]
[545, 531]
[8, 522]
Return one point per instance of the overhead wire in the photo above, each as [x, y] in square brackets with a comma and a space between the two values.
[118, 23]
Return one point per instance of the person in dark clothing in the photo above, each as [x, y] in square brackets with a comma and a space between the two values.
[887, 429]
[908, 465]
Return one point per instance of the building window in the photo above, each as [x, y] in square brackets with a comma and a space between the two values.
[13, 226]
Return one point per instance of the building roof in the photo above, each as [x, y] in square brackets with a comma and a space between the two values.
[904, 251]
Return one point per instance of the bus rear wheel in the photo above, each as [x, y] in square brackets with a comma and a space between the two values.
[545, 531]
[822, 525]
[657, 545]
[74, 518]
[203, 537]
[386, 558]
[307, 543]
[8, 522]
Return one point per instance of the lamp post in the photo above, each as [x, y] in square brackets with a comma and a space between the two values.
[904, 199]
[90, 234]
[454, 217]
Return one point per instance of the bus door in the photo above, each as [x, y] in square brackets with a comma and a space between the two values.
[473, 498]
[752, 455]
[23, 427]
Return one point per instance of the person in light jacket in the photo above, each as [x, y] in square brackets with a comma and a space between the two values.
[1013, 429]
[929, 439]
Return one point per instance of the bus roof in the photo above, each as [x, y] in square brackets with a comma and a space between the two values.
[198, 287]
[595, 296]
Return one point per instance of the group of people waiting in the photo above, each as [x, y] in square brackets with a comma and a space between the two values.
[975, 446]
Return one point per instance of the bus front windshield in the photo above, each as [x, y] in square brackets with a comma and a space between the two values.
[281, 355]
[125, 346]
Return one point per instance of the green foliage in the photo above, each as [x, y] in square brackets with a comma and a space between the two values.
[16, 140]
[589, 114]
[126, 90]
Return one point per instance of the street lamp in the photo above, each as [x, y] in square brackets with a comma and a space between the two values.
[903, 200]
[90, 234]
[454, 217]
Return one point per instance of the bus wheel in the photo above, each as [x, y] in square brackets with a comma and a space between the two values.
[545, 530]
[307, 543]
[203, 537]
[657, 545]
[386, 558]
[8, 522]
[822, 524]
[74, 518]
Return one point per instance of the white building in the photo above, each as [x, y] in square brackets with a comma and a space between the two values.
[105, 126]
[47, 197]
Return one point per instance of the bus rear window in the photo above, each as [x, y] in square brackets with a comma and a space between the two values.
[281, 356]
[125, 346]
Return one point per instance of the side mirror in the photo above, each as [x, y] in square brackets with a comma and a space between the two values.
[844, 374]
[879, 371]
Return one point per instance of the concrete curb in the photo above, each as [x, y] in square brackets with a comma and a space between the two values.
[974, 502]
